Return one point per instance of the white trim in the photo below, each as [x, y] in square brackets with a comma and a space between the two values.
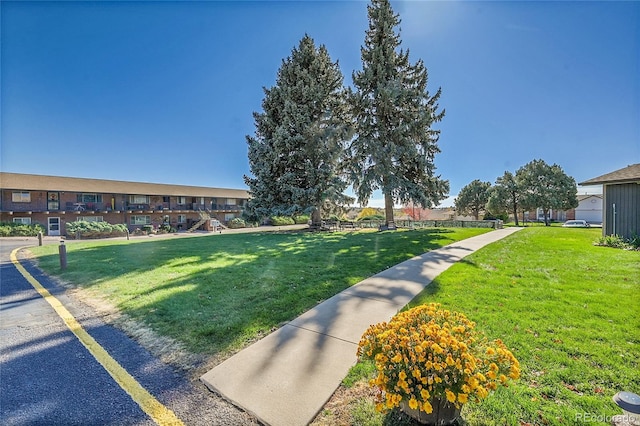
[53, 232]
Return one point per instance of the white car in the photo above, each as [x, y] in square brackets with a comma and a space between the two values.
[576, 224]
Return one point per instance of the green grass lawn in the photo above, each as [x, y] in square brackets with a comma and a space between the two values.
[216, 293]
[568, 310]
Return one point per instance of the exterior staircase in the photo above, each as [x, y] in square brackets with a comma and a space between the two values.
[220, 224]
[204, 216]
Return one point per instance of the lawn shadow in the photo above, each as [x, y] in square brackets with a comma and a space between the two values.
[348, 314]
[219, 292]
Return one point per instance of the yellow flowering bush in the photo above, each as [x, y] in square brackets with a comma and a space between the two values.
[429, 353]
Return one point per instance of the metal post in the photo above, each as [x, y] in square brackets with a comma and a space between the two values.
[62, 250]
[39, 238]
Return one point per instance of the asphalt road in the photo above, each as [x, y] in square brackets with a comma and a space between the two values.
[47, 377]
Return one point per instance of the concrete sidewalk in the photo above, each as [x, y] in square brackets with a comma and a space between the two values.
[287, 377]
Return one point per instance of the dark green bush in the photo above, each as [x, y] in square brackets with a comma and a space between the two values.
[490, 216]
[282, 220]
[11, 229]
[236, 223]
[82, 229]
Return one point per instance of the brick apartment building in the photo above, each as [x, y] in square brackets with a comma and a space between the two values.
[52, 201]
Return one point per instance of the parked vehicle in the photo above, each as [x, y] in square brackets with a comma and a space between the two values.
[576, 224]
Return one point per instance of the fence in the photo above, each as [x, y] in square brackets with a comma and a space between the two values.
[415, 224]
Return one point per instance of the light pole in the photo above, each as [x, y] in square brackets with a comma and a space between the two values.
[630, 404]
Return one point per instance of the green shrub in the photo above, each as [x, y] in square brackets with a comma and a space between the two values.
[282, 220]
[236, 223]
[83, 229]
[616, 241]
[303, 219]
[11, 229]
[490, 216]
[165, 228]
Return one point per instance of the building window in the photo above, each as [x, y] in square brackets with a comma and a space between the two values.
[22, 220]
[90, 219]
[139, 199]
[141, 220]
[89, 198]
[231, 201]
[165, 199]
[182, 218]
[53, 201]
[21, 197]
[182, 200]
[229, 216]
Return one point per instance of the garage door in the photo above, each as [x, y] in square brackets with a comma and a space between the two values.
[591, 216]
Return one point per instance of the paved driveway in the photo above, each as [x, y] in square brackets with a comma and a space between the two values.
[47, 377]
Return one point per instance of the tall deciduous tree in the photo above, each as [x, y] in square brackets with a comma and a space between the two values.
[395, 145]
[546, 187]
[300, 137]
[473, 198]
[505, 196]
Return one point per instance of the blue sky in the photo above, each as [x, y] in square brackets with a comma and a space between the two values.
[164, 91]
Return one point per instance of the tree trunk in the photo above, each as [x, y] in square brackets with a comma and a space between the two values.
[388, 211]
[546, 217]
[316, 219]
[515, 213]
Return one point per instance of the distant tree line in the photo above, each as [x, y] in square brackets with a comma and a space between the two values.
[535, 185]
[314, 137]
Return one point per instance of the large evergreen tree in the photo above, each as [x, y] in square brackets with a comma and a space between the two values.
[394, 146]
[546, 187]
[300, 136]
[473, 198]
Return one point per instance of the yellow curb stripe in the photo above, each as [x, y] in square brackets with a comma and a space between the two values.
[147, 402]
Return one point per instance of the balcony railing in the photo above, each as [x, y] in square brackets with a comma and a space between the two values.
[137, 207]
[232, 207]
[69, 206]
[85, 207]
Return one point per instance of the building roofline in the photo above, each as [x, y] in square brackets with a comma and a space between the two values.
[629, 174]
[31, 182]
[585, 196]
